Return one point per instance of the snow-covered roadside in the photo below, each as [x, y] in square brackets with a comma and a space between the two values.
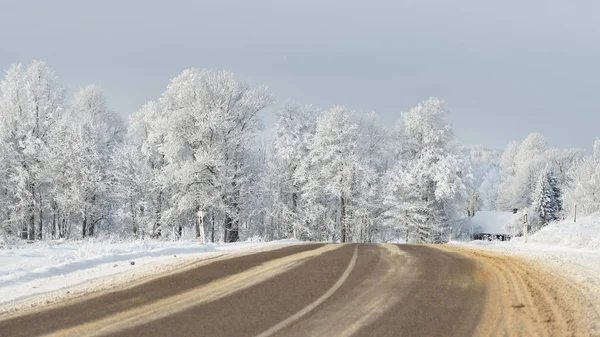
[583, 265]
[44, 273]
[578, 267]
[569, 249]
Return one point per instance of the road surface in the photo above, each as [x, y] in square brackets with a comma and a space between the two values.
[326, 290]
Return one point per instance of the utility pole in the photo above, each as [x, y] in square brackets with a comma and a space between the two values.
[525, 225]
[575, 218]
[201, 227]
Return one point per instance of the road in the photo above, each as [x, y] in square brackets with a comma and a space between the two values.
[326, 290]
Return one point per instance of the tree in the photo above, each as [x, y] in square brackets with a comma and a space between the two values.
[583, 189]
[208, 121]
[31, 102]
[547, 202]
[294, 129]
[428, 189]
[140, 165]
[375, 152]
[79, 170]
[506, 189]
[330, 171]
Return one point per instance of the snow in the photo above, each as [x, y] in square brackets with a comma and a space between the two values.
[28, 270]
[577, 242]
[580, 266]
[570, 249]
[493, 222]
[585, 233]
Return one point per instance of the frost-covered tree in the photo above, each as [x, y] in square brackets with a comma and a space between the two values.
[547, 197]
[140, 166]
[198, 144]
[485, 168]
[529, 160]
[596, 148]
[375, 152]
[507, 187]
[583, 185]
[521, 165]
[80, 171]
[429, 188]
[294, 130]
[31, 101]
[330, 174]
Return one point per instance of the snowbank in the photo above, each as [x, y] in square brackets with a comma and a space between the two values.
[27, 270]
[585, 233]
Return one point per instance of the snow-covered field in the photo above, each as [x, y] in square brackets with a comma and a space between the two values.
[42, 273]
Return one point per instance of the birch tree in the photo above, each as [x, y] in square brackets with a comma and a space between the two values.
[31, 102]
[428, 190]
[329, 173]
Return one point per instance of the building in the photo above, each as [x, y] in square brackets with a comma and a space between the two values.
[493, 225]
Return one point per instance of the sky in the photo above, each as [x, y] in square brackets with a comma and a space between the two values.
[505, 68]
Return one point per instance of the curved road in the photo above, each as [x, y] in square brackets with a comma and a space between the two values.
[325, 290]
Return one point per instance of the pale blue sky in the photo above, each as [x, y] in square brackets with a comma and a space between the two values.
[505, 68]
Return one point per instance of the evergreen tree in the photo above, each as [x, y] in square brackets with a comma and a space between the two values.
[547, 198]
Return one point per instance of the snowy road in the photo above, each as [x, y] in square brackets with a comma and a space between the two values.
[327, 290]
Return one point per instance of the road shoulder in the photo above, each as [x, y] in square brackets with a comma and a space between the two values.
[527, 298]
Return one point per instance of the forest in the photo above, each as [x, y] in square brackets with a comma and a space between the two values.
[191, 164]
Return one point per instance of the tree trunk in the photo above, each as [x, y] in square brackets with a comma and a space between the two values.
[212, 223]
[84, 225]
[200, 226]
[63, 231]
[232, 222]
[92, 226]
[343, 218]
[140, 229]
[156, 229]
[292, 229]
[31, 224]
[198, 222]
[54, 219]
[134, 223]
[40, 229]
[231, 233]
[92, 222]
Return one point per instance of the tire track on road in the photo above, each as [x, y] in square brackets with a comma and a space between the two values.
[104, 304]
[205, 294]
[526, 300]
[283, 324]
[370, 291]
[256, 308]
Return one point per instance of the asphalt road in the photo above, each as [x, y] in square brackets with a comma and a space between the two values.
[317, 290]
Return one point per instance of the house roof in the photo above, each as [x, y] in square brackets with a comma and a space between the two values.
[493, 222]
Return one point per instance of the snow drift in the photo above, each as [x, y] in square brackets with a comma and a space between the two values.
[585, 233]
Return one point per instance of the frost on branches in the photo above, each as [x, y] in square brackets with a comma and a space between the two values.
[428, 188]
[191, 163]
[547, 198]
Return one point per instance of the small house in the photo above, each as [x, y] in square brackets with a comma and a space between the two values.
[494, 225]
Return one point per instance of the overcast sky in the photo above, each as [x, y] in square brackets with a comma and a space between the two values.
[505, 68]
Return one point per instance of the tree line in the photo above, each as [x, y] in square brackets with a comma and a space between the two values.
[191, 163]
